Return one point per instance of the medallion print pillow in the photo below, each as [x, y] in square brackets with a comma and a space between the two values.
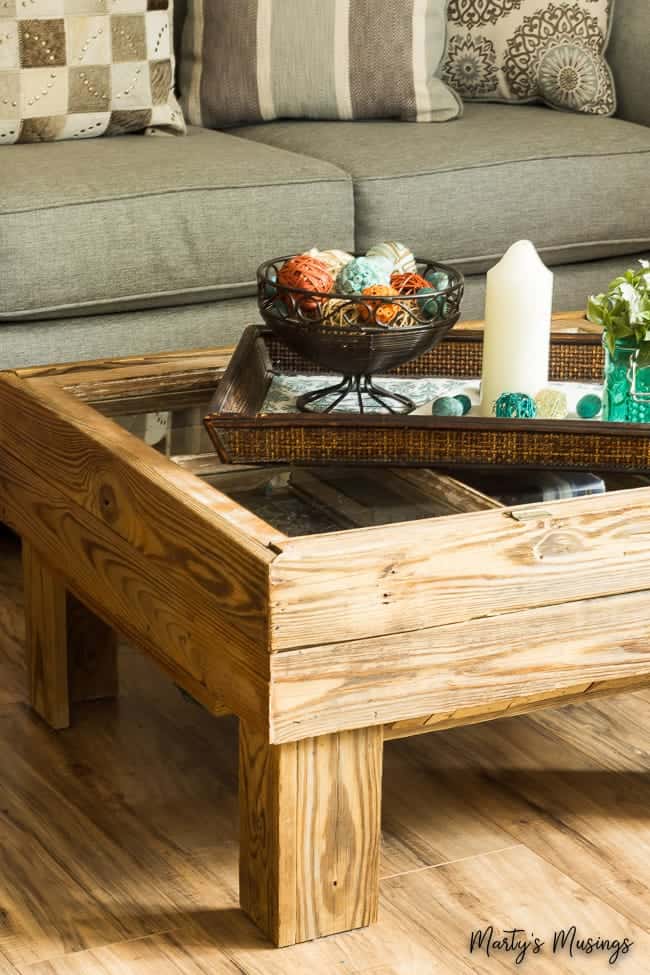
[532, 50]
[74, 69]
[248, 61]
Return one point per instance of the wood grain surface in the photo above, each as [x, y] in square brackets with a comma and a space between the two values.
[71, 653]
[309, 836]
[118, 838]
[397, 578]
[164, 381]
[46, 639]
[137, 593]
[513, 658]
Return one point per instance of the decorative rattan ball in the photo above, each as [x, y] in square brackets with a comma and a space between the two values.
[379, 311]
[361, 273]
[401, 258]
[551, 404]
[340, 313]
[334, 260]
[407, 317]
[515, 406]
[305, 272]
[409, 284]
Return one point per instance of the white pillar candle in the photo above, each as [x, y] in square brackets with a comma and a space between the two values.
[516, 342]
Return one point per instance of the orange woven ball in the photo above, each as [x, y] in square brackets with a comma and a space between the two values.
[408, 284]
[305, 272]
[382, 312]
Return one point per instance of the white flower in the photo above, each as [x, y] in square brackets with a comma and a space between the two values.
[633, 299]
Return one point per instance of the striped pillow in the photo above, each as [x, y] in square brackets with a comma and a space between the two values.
[247, 61]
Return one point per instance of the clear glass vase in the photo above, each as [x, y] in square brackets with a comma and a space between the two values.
[626, 390]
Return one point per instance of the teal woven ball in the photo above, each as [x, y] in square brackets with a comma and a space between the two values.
[589, 406]
[515, 406]
[438, 279]
[270, 287]
[447, 406]
[361, 273]
[428, 302]
[465, 402]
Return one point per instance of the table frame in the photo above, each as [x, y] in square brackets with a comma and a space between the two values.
[323, 646]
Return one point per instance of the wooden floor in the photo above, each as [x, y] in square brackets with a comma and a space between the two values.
[118, 838]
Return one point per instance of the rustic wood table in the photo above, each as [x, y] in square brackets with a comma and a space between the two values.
[328, 609]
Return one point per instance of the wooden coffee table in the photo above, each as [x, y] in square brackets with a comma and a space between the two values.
[328, 609]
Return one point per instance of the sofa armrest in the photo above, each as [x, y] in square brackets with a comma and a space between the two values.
[629, 57]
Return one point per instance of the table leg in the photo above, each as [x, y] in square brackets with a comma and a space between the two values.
[71, 653]
[310, 829]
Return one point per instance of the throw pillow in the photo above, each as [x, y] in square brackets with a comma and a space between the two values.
[247, 61]
[532, 50]
[73, 69]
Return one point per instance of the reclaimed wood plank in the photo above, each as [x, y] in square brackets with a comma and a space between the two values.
[374, 581]
[137, 594]
[542, 701]
[191, 533]
[46, 639]
[310, 832]
[71, 653]
[445, 669]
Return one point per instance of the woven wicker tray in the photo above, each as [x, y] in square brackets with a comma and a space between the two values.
[243, 434]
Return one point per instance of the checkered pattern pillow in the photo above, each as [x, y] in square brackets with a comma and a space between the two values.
[74, 69]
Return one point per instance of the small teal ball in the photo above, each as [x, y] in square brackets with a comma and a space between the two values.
[438, 279]
[361, 273]
[428, 302]
[447, 406]
[589, 406]
[279, 308]
[465, 402]
[270, 285]
[515, 406]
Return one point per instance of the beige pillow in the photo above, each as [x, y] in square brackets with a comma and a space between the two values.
[319, 59]
[532, 50]
[74, 69]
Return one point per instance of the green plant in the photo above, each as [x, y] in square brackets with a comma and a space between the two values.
[623, 311]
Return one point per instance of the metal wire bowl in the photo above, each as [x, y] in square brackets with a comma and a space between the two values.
[307, 322]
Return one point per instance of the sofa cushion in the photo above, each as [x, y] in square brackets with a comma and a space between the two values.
[464, 192]
[144, 221]
[75, 69]
[319, 59]
[527, 51]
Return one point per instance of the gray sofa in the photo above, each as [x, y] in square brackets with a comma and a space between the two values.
[138, 244]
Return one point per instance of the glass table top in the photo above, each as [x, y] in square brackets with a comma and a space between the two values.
[305, 501]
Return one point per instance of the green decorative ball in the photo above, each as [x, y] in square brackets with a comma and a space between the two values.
[465, 402]
[439, 280]
[428, 302]
[447, 406]
[515, 406]
[589, 406]
[270, 286]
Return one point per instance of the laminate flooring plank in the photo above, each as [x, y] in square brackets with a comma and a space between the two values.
[515, 888]
[423, 821]
[588, 820]
[168, 953]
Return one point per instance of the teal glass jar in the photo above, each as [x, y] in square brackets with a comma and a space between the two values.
[626, 390]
